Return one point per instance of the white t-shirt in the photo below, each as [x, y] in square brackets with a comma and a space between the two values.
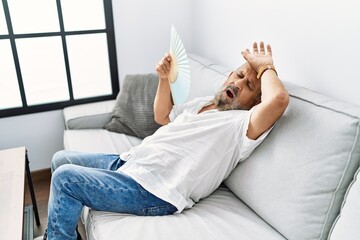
[187, 159]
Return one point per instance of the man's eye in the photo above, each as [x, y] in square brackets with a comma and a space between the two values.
[240, 75]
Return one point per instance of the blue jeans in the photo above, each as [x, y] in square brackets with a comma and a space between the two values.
[88, 179]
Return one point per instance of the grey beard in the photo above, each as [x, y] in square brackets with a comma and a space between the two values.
[223, 103]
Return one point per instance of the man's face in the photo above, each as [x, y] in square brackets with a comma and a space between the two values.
[240, 91]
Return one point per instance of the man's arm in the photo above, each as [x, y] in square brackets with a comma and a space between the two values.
[163, 103]
[274, 98]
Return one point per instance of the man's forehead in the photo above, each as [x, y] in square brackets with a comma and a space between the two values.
[244, 67]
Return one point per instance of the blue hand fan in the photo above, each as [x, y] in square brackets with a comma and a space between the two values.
[179, 76]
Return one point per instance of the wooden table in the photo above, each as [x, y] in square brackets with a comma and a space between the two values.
[12, 180]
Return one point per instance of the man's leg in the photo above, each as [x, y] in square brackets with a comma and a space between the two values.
[75, 186]
[92, 160]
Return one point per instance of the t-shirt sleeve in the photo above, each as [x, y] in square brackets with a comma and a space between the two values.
[177, 110]
[248, 145]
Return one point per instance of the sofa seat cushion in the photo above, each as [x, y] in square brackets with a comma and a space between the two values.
[98, 140]
[220, 216]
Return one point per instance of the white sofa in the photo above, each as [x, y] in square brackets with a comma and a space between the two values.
[299, 184]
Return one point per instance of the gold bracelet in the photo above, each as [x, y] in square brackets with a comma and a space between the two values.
[264, 68]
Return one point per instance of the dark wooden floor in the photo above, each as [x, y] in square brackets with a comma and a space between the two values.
[41, 181]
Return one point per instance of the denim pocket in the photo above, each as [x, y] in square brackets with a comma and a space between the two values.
[167, 209]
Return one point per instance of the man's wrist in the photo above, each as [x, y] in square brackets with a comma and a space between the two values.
[264, 68]
[164, 79]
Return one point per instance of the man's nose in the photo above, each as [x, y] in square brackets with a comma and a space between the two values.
[239, 83]
[238, 88]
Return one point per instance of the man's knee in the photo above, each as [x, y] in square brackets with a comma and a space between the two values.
[63, 174]
[60, 158]
[66, 171]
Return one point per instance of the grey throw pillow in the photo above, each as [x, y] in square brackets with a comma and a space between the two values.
[133, 113]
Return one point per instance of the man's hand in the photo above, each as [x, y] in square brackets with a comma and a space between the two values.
[162, 102]
[258, 59]
[274, 97]
[163, 67]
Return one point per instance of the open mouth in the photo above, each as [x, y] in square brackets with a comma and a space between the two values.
[231, 92]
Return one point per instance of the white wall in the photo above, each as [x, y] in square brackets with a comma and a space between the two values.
[316, 43]
[41, 133]
[142, 30]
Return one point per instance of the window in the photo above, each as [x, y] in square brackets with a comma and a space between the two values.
[55, 53]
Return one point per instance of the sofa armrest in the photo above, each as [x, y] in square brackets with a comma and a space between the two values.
[346, 226]
[88, 116]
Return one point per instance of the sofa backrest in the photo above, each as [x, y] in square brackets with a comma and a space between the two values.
[296, 179]
[206, 76]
